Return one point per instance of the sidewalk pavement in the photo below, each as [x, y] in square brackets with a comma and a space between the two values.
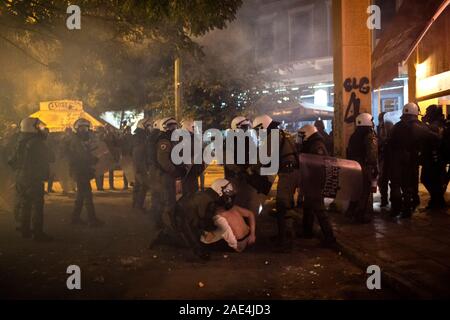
[413, 254]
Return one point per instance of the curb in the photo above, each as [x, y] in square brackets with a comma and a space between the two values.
[390, 277]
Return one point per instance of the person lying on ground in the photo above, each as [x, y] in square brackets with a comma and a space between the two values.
[233, 228]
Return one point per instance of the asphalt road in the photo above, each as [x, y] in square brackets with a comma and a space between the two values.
[116, 263]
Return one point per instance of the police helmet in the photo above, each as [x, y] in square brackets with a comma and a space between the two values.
[168, 124]
[81, 123]
[411, 108]
[307, 131]
[31, 125]
[240, 122]
[263, 122]
[364, 120]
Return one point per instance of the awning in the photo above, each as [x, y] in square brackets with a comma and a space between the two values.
[303, 112]
[400, 38]
[62, 114]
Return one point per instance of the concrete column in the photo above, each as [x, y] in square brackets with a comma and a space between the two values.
[352, 53]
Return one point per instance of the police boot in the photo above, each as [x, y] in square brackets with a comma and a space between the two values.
[284, 241]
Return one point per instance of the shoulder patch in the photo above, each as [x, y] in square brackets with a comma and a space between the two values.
[164, 146]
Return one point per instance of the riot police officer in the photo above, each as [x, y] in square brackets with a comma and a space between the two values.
[363, 148]
[432, 159]
[189, 183]
[139, 153]
[313, 206]
[405, 143]
[247, 196]
[30, 162]
[164, 173]
[82, 164]
[288, 180]
[328, 140]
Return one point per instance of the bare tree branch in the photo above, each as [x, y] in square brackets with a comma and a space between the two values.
[24, 51]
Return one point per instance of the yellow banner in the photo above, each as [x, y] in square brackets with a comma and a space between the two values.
[61, 105]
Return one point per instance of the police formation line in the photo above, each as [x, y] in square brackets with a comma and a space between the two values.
[389, 156]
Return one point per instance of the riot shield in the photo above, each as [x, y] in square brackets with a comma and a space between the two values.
[330, 177]
[106, 160]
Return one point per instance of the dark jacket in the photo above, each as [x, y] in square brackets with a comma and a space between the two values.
[31, 158]
[81, 159]
[408, 139]
[363, 148]
[139, 154]
[194, 214]
[315, 145]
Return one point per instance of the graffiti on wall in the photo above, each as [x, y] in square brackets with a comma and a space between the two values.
[355, 87]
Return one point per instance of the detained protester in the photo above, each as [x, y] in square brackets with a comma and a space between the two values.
[405, 143]
[82, 163]
[288, 180]
[363, 148]
[313, 143]
[233, 228]
[31, 164]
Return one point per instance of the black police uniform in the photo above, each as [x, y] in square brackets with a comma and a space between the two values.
[193, 215]
[82, 169]
[363, 148]
[406, 141]
[140, 187]
[30, 162]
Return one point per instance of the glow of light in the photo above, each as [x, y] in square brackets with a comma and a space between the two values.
[388, 88]
[421, 70]
[320, 86]
[321, 97]
[430, 85]
[307, 96]
[260, 209]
